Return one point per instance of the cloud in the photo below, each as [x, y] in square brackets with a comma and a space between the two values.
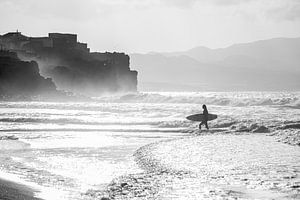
[59, 9]
[179, 3]
[99, 10]
[146, 25]
[189, 3]
[272, 9]
[293, 13]
[289, 10]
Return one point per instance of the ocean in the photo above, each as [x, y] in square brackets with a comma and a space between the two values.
[68, 148]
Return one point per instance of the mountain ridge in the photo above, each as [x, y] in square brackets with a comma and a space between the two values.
[260, 65]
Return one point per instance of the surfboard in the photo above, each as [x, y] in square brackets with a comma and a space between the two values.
[199, 117]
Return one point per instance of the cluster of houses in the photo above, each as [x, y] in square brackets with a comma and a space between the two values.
[16, 41]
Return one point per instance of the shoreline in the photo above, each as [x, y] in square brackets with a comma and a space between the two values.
[10, 190]
[162, 175]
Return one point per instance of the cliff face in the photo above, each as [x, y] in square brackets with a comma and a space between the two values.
[21, 78]
[91, 74]
[71, 65]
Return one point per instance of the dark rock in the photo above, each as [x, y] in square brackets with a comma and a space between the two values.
[295, 186]
[261, 129]
[243, 128]
[10, 137]
[124, 184]
[22, 78]
[292, 126]
[71, 65]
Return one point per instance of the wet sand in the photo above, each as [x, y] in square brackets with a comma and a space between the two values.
[212, 167]
[14, 191]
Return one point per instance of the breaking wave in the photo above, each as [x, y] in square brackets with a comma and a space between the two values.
[8, 137]
[68, 121]
[222, 99]
[9, 144]
[139, 130]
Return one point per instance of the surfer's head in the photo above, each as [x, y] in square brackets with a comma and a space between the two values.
[204, 106]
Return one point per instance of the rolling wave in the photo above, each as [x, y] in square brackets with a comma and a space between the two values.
[174, 130]
[107, 105]
[222, 99]
[13, 145]
[68, 121]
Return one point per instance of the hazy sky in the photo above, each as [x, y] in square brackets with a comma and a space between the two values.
[154, 25]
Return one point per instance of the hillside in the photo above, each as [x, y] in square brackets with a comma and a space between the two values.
[262, 65]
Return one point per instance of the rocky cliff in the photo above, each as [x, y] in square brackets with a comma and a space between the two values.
[72, 66]
[90, 74]
[20, 78]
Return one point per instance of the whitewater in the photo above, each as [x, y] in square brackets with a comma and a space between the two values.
[83, 150]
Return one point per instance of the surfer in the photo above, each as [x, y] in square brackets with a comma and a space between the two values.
[205, 117]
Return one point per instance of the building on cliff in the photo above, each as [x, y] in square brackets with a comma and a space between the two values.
[13, 40]
[71, 64]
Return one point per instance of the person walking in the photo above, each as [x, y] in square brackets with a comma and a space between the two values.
[205, 117]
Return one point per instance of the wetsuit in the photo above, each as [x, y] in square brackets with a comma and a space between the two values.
[205, 119]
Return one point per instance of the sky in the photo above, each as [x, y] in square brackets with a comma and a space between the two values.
[140, 26]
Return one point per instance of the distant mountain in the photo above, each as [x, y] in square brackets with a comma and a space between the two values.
[262, 65]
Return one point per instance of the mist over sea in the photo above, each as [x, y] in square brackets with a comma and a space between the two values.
[67, 149]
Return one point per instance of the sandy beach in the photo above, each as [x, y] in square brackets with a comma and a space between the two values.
[14, 191]
[212, 167]
[138, 149]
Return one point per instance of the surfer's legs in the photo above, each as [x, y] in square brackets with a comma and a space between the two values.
[200, 125]
[206, 125]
